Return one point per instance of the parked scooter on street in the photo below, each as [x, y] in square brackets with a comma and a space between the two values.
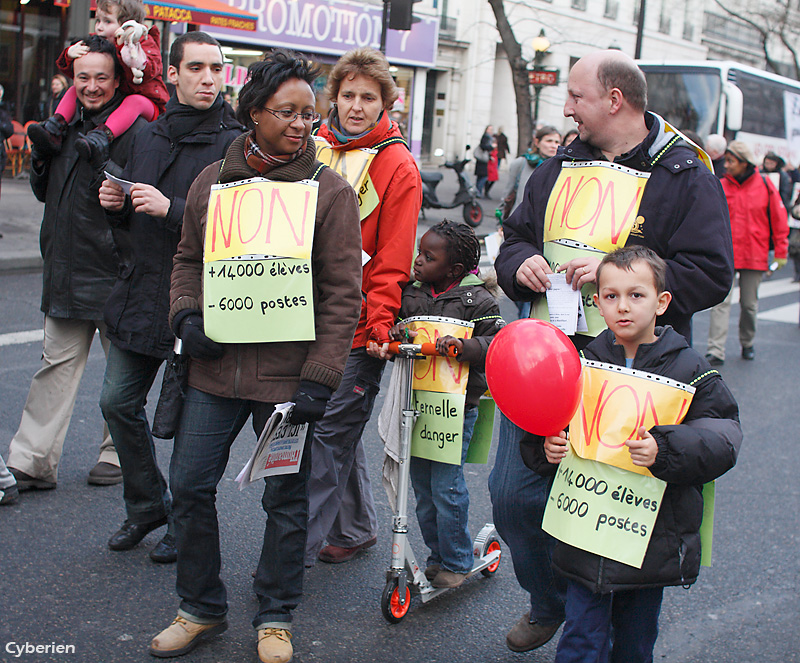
[467, 194]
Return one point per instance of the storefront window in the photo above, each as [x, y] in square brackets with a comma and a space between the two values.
[29, 46]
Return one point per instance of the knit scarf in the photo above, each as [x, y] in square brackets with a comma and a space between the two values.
[182, 120]
[341, 135]
[262, 162]
[534, 158]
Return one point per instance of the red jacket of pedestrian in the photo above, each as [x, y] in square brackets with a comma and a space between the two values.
[388, 233]
[493, 174]
[751, 223]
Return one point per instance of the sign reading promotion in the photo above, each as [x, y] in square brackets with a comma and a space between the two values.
[257, 282]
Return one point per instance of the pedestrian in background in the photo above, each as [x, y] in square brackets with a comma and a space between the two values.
[166, 156]
[571, 135]
[58, 88]
[773, 164]
[492, 173]
[341, 505]
[6, 131]
[544, 145]
[230, 382]
[715, 148]
[482, 154]
[501, 140]
[757, 216]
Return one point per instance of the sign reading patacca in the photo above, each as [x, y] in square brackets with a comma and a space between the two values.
[334, 26]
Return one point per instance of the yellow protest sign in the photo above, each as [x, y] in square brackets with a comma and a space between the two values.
[258, 301]
[557, 254]
[443, 374]
[603, 509]
[261, 217]
[616, 402]
[594, 202]
[439, 386]
[353, 165]
[367, 198]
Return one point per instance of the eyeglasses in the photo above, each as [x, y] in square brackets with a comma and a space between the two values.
[290, 116]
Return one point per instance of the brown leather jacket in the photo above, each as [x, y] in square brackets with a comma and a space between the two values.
[271, 372]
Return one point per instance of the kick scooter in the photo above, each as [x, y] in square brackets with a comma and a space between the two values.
[404, 575]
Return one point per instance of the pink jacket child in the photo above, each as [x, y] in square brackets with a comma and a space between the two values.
[146, 94]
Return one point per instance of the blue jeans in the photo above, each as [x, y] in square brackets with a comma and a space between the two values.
[209, 425]
[519, 496]
[127, 381]
[626, 623]
[443, 505]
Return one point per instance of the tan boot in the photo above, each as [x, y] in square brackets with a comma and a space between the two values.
[182, 636]
[274, 645]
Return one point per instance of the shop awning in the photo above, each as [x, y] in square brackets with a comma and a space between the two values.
[200, 12]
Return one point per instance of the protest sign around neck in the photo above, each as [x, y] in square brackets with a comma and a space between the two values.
[257, 277]
[439, 387]
[616, 402]
[353, 165]
[592, 209]
[594, 202]
[603, 509]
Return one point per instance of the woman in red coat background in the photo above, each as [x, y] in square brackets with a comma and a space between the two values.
[757, 215]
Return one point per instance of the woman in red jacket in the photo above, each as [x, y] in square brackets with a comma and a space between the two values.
[757, 215]
[341, 508]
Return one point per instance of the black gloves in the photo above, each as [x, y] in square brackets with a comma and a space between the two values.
[188, 326]
[310, 402]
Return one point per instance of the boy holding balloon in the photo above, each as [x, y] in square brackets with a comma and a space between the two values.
[445, 286]
[612, 608]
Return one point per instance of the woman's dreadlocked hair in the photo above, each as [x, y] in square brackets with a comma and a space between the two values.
[462, 244]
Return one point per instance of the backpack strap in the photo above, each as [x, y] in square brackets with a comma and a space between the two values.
[390, 141]
[318, 171]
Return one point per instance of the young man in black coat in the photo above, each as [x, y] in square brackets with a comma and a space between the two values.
[166, 156]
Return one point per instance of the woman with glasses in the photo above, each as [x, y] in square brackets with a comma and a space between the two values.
[341, 508]
[229, 382]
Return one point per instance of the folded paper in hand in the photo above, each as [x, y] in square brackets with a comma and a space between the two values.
[279, 449]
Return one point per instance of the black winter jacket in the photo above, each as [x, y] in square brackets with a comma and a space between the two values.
[80, 259]
[685, 222]
[137, 310]
[692, 453]
[469, 301]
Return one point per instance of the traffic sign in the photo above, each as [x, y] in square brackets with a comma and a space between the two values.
[543, 77]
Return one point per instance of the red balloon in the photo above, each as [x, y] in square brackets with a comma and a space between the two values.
[534, 372]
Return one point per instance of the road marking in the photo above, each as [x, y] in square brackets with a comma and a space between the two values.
[20, 338]
[789, 313]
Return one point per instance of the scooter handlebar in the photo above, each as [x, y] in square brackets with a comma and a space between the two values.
[427, 349]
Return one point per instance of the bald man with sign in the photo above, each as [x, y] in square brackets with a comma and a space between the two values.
[629, 178]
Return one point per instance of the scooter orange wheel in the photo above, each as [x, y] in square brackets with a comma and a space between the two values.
[473, 214]
[393, 610]
[491, 545]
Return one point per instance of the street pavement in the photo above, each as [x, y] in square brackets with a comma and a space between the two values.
[59, 583]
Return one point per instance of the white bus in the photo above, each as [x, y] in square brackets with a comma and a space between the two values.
[728, 98]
